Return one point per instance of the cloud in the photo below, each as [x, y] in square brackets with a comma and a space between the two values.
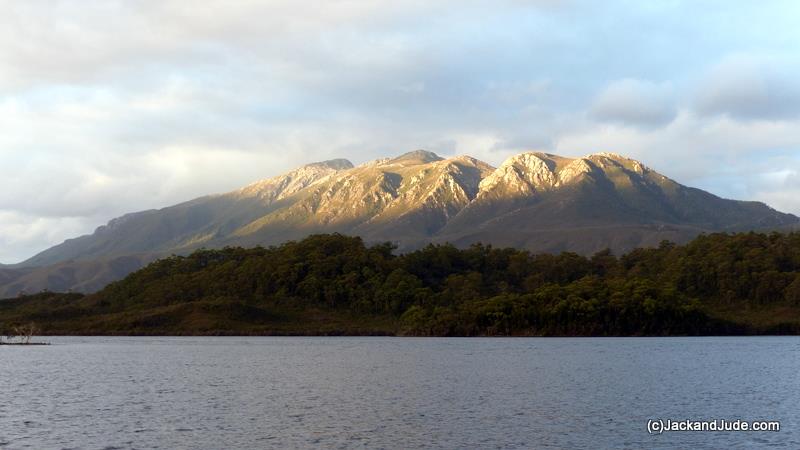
[751, 88]
[113, 107]
[722, 155]
[781, 187]
[25, 234]
[636, 103]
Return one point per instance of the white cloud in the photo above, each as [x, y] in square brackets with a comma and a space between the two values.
[781, 187]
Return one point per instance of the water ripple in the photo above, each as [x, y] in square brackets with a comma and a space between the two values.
[123, 393]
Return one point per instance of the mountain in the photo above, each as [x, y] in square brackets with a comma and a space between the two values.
[189, 224]
[549, 203]
[536, 201]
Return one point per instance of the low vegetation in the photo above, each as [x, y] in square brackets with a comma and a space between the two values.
[333, 284]
[18, 334]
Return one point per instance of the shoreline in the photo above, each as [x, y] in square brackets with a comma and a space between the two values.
[394, 335]
[23, 343]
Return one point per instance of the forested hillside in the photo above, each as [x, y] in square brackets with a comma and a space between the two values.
[334, 284]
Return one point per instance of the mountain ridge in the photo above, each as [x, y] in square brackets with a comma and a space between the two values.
[534, 200]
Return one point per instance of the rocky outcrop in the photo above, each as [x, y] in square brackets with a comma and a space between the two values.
[282, 186]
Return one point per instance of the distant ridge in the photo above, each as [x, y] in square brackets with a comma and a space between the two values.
[534, 200]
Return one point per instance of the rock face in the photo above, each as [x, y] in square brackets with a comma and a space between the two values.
[534, 200]
[277, 188]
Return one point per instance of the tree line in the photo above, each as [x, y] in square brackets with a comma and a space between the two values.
[480, 290]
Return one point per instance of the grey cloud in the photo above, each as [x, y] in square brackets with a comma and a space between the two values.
[748, 88]
[23, 234]
[636, 103]
[793, 179]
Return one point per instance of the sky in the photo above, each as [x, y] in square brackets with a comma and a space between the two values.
[109, 107]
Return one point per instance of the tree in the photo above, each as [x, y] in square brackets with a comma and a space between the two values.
[25, 332]
[792, 292]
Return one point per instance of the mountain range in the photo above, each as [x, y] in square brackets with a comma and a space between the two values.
[536, 201]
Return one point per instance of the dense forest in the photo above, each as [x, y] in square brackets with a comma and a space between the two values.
[333, 284]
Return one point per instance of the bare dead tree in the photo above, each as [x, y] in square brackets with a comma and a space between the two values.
[31, 331]
[25, 332]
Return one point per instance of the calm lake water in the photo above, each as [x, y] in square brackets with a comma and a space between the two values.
[271, 392]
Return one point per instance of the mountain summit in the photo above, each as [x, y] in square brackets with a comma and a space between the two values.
[534, 200]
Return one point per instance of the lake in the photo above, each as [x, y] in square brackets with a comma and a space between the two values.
[372, 392]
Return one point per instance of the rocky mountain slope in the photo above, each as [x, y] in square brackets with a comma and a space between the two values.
[189, 224]
[536, 201]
